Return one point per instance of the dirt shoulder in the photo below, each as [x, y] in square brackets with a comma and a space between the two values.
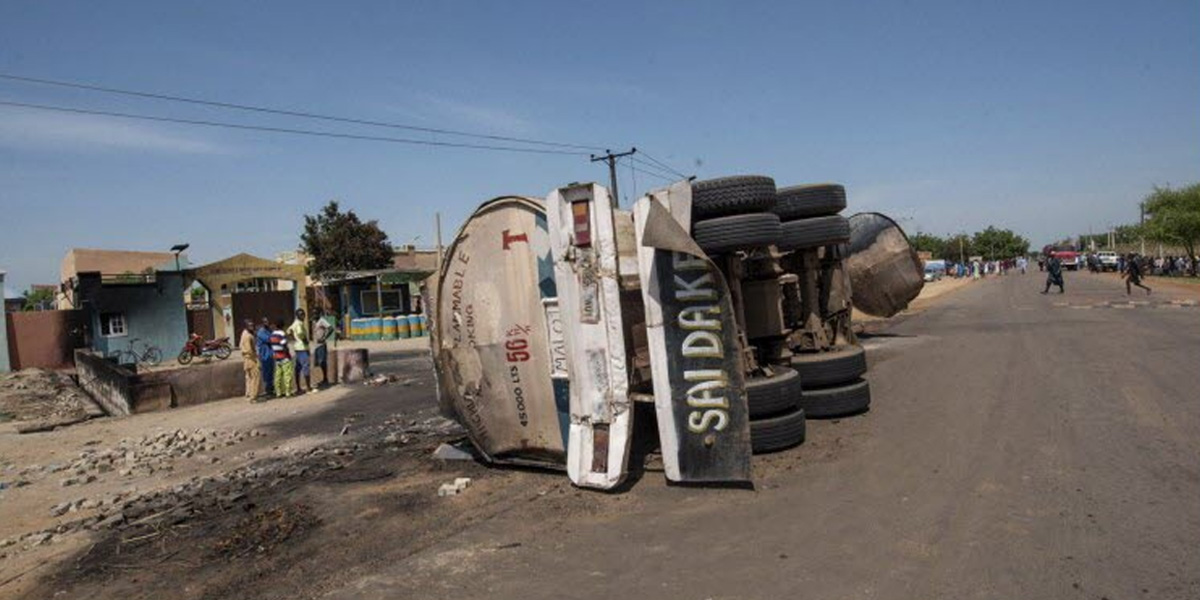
[929, 295]
[60, 490]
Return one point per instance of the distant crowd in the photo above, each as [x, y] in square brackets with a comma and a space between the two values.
[1163, 266]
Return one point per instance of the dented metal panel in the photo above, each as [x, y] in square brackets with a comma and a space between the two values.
[497, 343]
[698, 376]
[583, 243]
[885, 272]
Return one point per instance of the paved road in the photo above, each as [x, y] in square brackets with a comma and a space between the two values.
[1020, 446]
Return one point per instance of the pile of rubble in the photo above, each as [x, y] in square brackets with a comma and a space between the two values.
[142, 456]
[40, 395]
[214, 494]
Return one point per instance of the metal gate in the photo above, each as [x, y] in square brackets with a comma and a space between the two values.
[200, 322]
[275, 306]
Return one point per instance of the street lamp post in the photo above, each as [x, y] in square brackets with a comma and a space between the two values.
[177, 249]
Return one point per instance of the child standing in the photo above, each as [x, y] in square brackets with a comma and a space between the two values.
[285, 370]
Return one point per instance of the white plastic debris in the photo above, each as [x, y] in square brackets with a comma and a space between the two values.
[453, 489]
[450, 452]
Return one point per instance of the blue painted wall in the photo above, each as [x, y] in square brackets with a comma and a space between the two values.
[154, 313]
[4, 364]
[355, 290]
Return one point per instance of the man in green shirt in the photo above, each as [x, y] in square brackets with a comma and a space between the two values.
[323, 330]
[298, 331]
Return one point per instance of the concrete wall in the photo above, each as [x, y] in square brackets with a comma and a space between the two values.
[154, 312]
[110, 385]
[196, 384]
[4, 365]
[46, 339]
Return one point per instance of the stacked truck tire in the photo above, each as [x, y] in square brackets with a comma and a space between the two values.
[800, 354]
[831, 371]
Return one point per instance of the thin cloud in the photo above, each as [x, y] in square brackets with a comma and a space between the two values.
[440, 111]
[32, 129]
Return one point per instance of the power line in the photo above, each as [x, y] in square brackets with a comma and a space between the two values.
[290, 113]
[664, 165]
[326, 134]
[654, 169]
[653, 174]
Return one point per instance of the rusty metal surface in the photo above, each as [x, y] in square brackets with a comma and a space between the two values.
[885, 272]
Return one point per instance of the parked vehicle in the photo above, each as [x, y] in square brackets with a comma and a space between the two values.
[709, 302]
[1069, 259]
[197, 346]
[1109, 261]
[934, 270]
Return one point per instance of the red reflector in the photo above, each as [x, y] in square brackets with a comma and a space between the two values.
[581, 211]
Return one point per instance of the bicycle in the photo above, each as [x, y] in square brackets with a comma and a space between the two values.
[150, 355]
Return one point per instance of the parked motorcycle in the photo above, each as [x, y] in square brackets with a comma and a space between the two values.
[198, 346]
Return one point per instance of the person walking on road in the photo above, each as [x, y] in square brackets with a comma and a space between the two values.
[1054, 274]
[322, 329]
[285, 369]
[248, 344]
[298, 332]
[266, 357]
[1133, 275]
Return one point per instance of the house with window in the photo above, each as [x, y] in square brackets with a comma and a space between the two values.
[129, 300]
[127, 313]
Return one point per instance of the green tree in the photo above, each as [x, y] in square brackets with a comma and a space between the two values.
[1173, 217]
[38, 299]
[927, 242]
[998, 244]
[957, 248]
[339, 241]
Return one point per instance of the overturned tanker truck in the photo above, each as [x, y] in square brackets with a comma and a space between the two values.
[724, 305]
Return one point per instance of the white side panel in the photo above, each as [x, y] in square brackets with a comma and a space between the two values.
[590, 308]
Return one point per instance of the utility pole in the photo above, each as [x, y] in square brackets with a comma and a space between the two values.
[437, 224]
[1142, 223]
[611, 159]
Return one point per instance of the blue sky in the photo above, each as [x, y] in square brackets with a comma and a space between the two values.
[1047, 117]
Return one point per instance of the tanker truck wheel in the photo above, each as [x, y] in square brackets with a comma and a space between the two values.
[814, 200]
[737, 195]
[814, 232]
[839, 401]
[736, 232]
[824, 369]
[773, 395]
[777, 433]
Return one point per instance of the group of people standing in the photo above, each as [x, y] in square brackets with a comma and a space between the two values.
[278, 359]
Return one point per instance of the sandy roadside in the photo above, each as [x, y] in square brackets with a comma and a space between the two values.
[929, 294]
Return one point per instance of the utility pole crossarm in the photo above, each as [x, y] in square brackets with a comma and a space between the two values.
[611, 159]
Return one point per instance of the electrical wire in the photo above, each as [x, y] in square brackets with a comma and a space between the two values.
[662, 164]
[653, 174]
[290, 113]
[657, 171]
[287, 130]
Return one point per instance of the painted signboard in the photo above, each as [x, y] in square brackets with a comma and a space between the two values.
[699, 387]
